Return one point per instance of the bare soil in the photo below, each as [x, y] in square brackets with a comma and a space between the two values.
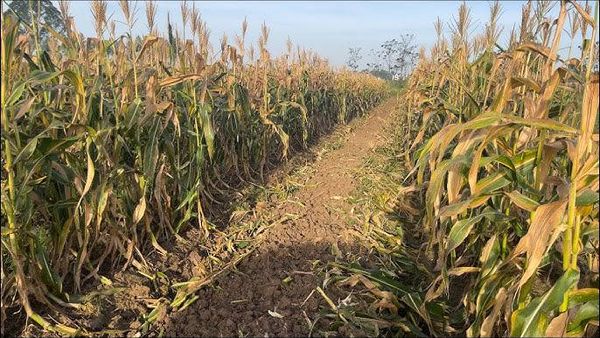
[272, 291]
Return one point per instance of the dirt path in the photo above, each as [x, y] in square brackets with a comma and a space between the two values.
[277, 277]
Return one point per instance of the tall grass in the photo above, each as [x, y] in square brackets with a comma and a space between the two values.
[111, 144]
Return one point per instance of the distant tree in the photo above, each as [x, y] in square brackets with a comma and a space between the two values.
[376, 68]
[354, 58]
[42, 11]
[395, 57]
[380, 73]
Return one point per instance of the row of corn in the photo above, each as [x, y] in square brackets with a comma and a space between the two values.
[113, 143]
[508, 153]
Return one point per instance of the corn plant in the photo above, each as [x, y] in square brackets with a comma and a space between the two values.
[512, 170]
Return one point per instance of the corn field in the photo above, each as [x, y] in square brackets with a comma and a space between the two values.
[484, 214]
[112, 144]
[506, 148]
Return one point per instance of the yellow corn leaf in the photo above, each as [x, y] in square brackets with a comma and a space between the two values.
[535, 243]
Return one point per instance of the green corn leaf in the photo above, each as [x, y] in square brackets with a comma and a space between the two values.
[580, 296]
[40, 76]
[16, 94]
[583, 315]
[522, 201]
[587, 197]
[461, 229]
[533, 319]
[27, 151]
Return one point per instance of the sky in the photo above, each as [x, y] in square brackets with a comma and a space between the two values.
[327, 27]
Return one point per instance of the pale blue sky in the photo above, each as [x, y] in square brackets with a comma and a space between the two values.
[328, 27]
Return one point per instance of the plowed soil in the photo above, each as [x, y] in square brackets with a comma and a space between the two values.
[272, 291]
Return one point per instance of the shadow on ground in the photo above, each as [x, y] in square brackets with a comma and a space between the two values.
[282, 281]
